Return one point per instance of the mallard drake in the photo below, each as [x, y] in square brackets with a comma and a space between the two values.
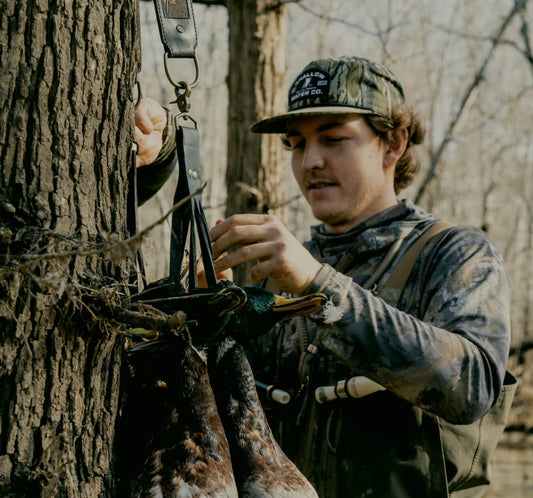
[178, 446]
[174, 418]
[260, 467]
[207, 310]
[244, 312]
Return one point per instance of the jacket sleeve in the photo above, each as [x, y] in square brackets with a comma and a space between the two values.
[151, 177]
[449, 356]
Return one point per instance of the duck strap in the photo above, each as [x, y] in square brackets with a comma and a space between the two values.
[138, 278]
[190, 215]
[176, 27]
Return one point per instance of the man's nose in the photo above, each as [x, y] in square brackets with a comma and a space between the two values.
[312, 157]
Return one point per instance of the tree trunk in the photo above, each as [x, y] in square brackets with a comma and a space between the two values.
[68, 70]
[256, 163]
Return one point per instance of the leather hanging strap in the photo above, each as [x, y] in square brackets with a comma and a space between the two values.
[176, 27]
[190, 218]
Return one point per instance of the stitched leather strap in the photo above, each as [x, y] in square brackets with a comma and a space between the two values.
[190, 217]
[176, 27]
[403, 268]
[137, 279]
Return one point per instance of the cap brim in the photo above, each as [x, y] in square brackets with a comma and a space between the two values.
[278, 124]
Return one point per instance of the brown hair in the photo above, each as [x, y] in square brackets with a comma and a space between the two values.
[403, 117]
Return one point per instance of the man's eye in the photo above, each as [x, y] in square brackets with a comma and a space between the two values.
[295, 144]
[334, 140]
[291, 144]
[300, 144]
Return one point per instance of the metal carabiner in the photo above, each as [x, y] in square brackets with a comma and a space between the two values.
[183, 96]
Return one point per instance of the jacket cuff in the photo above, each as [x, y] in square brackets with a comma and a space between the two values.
[336, 287]
[168, 148]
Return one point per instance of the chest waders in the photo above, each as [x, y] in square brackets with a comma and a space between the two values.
[463, 450]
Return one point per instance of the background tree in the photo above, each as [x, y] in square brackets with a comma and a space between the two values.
[68, 70]
[256, 168]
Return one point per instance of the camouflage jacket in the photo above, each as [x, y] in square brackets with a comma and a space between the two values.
[440, 352]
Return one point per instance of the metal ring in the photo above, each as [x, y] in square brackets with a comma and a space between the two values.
[181, 83]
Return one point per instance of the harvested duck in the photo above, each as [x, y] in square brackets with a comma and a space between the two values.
[260, 466]
[180, 446]
[243, 312]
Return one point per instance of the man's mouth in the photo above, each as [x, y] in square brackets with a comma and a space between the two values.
[319, 185]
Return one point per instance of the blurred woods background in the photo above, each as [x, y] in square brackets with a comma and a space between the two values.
[467, 67]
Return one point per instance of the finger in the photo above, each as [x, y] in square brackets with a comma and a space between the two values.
[234, 221]
[245, 235]
[142, 120]
[225, 275]
[255, 252]
[139, 135]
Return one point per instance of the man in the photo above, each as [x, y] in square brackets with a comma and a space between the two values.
[439, 346]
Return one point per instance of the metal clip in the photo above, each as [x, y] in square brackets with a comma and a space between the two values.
[183, 96]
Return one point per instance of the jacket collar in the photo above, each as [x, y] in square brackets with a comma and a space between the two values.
[372, 235]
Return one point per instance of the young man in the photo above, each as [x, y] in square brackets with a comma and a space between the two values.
[439, 347]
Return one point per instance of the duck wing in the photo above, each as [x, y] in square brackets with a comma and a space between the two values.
[178, 433]
[260, 466]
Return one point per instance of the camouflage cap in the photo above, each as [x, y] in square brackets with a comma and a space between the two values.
[336, 86]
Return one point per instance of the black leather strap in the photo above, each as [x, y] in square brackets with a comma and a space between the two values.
[190, 218]
[132, 219]
[176, 27]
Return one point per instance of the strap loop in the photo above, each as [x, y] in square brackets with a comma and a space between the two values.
[181, 84]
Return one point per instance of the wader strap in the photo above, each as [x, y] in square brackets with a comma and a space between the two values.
[403, 268]
[385, 262]
[190, 215]
[176, 27]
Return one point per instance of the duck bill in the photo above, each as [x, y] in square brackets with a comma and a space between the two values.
[289, 307]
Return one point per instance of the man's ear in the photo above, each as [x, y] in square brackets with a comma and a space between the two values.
[396, 147]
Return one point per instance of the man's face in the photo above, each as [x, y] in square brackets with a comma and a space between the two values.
[338, 162]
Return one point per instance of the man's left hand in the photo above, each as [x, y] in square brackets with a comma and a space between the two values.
[150, 122]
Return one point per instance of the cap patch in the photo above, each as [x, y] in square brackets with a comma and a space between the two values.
[312, 84]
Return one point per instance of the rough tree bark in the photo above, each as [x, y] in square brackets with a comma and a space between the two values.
[256, 164]
[68, 69]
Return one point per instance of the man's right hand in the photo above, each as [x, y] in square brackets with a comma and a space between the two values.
[264, 239]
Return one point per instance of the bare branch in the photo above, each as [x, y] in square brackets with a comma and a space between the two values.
[131, 243]
[478, 78]
[328, 18]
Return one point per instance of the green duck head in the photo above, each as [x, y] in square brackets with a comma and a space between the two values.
[263, 309]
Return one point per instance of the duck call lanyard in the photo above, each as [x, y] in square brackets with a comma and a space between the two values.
[178, 35]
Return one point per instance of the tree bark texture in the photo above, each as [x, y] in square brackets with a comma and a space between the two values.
[256, 164]
[68, 71]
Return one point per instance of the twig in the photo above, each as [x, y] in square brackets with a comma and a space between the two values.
[108, 247]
